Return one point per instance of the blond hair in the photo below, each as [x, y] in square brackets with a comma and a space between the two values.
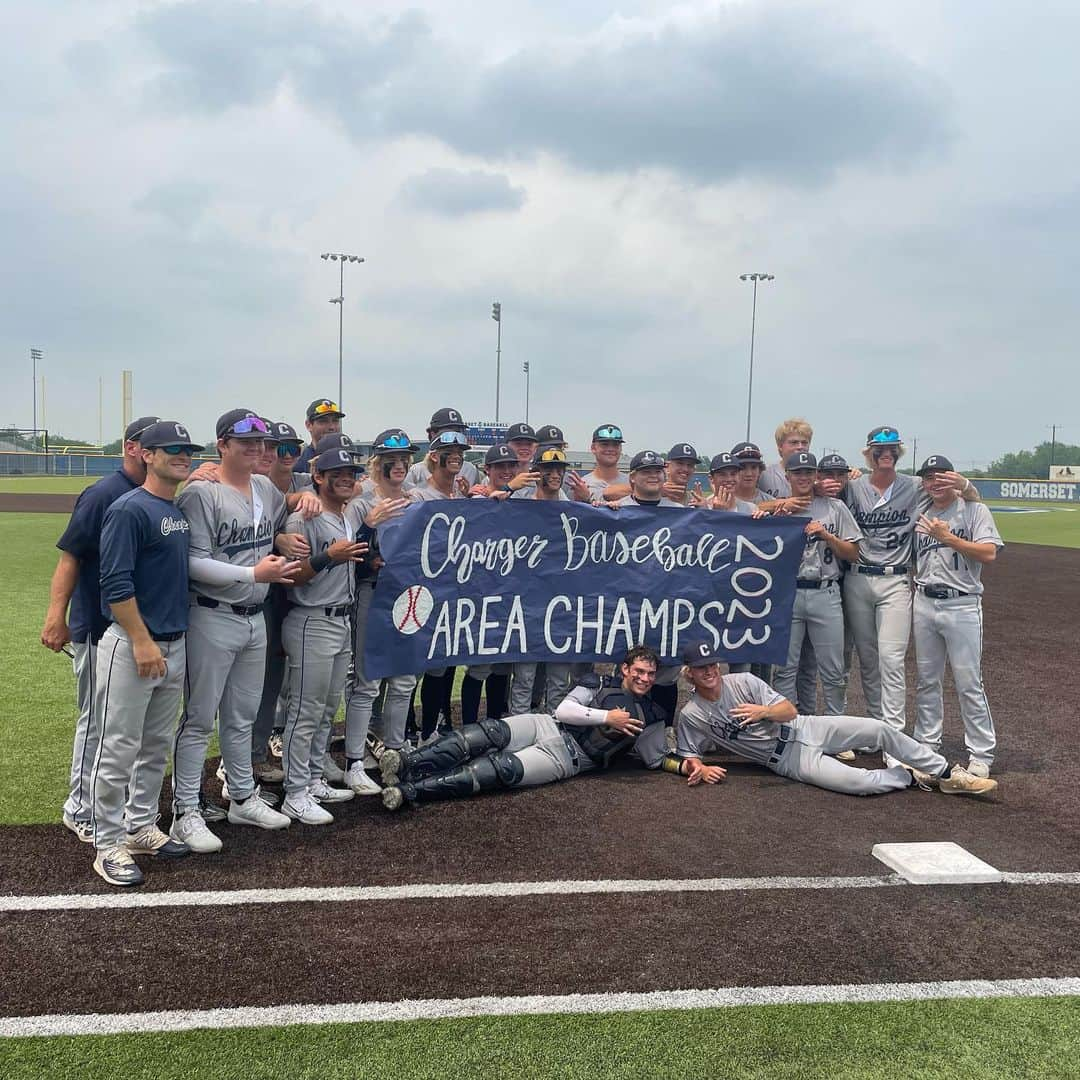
[795, 426]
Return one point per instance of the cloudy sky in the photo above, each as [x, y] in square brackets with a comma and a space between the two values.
[605, 170]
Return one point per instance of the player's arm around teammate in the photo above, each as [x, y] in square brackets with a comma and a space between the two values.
[141, 657]
[317, 638]
[954, 540]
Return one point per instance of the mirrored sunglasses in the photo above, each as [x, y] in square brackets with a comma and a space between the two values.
[886, 435]
[326, 407]
[395, 442]
[613, 433]
[175, 449]
[285, 450]
[450, 438]
[249, 424]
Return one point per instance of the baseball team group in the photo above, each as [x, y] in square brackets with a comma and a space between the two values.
[236, 597]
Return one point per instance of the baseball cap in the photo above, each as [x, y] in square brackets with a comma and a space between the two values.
[136, 427]
[936, 463]
[721, 461]
[832, 463]
[683, 451]
[883, 436]
[801, 461]
[391, 441]
[282, 432]
[700, 654]
[521, 431]
[747, 451]
[549, 456]
[336, 440]
[339, 458]
[499, 452]
[608, 433]
[167, 433]
[241, 424]
[323, 407]
[550, 435]
[445, 418]
[646, 459]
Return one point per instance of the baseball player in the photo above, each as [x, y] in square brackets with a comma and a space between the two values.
[443, 421]
[141, 657]
[551, 437]
[953, 539]
[605, 482]
[724, 473]
[832, 535]
[599, 720]
[391, 456]
[318, 637]
[521, 438]
[646, 481]
[751, 465]
[323, 418]
[877, 597]
[682, 460]
[741, 715]
[76, 579]
[234, 525]
[505, 473]
[792, 437]
[550, 464]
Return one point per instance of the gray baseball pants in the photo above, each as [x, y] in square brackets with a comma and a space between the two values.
[318, 646]
[818, 617]
[556, 686]
[951, 629]
[879, 611]
[808, 757]
[362, 692]
[537, 742]
[80, 801]
[136, 716]
[226, 662]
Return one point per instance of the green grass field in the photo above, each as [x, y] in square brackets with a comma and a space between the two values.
[34, 485]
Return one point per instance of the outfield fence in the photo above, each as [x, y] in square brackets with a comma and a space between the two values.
[1027, 490]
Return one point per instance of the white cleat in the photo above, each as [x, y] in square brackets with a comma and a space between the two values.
[267, 797]
[322, 792]
[306, 810]
[253, 811]
[332, 772]
[360, 783]
[190, 828]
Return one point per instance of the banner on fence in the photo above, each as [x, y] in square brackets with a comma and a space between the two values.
[479, 581]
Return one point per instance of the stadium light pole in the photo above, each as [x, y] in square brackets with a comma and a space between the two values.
[496, 314]
[35, 356]
[525, 368]
[755, 278]
[342, 259]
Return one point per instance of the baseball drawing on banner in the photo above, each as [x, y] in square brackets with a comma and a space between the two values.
[475, 581]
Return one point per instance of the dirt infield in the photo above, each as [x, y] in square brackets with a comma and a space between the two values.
[622, 824]
[36, 503]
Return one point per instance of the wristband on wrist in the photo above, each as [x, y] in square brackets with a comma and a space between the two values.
[320, 562]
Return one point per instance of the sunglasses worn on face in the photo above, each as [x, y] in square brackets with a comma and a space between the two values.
[611, 432]
[450, 438]
[248, 425]
[326, 407]
[174, 451]
[285, 450]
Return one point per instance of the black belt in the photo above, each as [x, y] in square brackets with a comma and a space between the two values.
[884, 571]
[781, 743]
[940, 592]
[807, 583]
[168, 637]
[337, 612]
[237, 609]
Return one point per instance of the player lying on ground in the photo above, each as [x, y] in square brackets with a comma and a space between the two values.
[599, 719]
[741, 715]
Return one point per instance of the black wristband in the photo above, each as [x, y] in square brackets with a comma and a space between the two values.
[320, 562]
[507, 488]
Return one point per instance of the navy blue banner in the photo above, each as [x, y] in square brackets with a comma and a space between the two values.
[478, 581]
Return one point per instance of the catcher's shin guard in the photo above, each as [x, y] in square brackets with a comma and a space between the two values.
[450, 750]
[497, 769]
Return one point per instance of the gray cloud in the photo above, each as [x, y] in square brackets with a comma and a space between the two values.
[773, 92]
[452, 193]
[181, 203]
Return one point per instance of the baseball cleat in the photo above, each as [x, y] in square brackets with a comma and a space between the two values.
[359, 781]
[306, 810]
[150, 840]
[845, 755]
[83, 830]
[392, 798]
[220, 774]
[322, 792]
[190, 829]
[979, 769]
[276, 745]
[117, 867]
[265, 773]
[332, 772]
[211, 812]
[373, 750]
[921, 780]
[253, 811]
[267, 797]
[961, 782]
[390, 765]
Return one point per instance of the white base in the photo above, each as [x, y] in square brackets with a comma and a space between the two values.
[936, 864]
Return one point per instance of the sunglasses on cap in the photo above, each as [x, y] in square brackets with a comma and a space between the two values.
[326, 407]
[395, 442]
[175, 449]
[449, 438]
[287, 449]
[247, 425]
[886, 435]
[609, 432]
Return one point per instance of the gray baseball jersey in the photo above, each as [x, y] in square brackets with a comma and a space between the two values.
[706, 726]
[332, 586]
[230, 528]
[598, 486]
[418, 475]
[426, 493]
[819, 563]
[773, 482]
[300, 481]
[937, 564]
[530, 493]
[887, 521]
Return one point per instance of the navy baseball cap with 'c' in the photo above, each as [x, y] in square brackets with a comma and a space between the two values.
[883, 436]
[137, 427]
[700, 654]
[241, 424]
[283, 433]
[446, 419]
[936, 463]
[499, 453]
[801, 461]
[170, 433]
[722, 461]
[339, 458]
[323, 408]
[747, 451]
[336, 440]
[683, 451]
[608, 433]
[550, 435]
[646, 459]
[832, 463]
[521, 431]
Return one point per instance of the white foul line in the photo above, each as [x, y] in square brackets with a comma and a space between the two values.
[345, 894]
[442, 1008]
